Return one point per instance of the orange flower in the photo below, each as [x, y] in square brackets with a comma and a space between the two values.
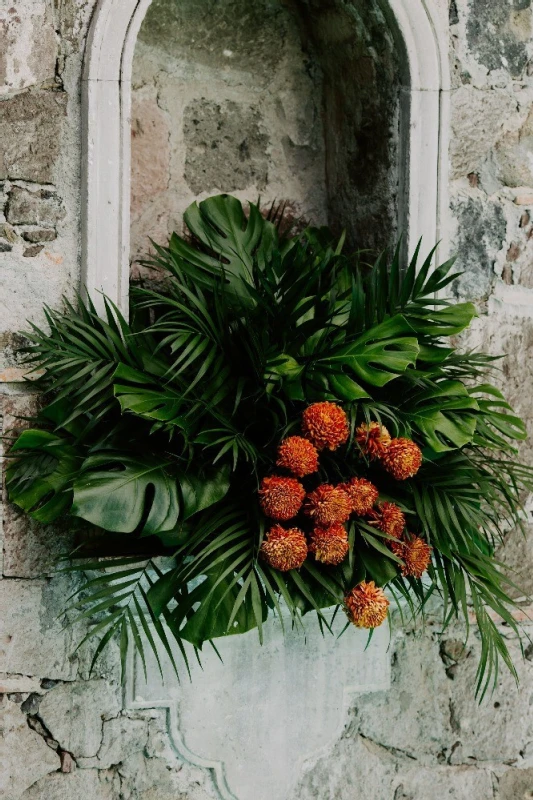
[283, 548]
[373, 439]
[389, 518]
[298, 455]
[281, 498]
[328, 505]
[325, 425]
[366, 605]
[415, 553]
[362, 494]
[402, 459]
[329, 545]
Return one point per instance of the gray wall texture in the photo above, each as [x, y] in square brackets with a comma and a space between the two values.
[259, 100]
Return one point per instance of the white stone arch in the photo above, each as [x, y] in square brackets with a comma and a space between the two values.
[106, 104]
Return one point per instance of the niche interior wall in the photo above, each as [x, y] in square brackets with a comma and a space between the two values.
[298, 100]
[283, 101]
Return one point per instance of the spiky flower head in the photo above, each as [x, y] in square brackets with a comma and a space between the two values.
[328, 505]
[415, 553]
[329, 545]
[402, 459]
[389, 518]
[362, 493]
[298, 455]
[284, 548]
[373, 439]
[281, 498]
[325, 425]
[366, 605]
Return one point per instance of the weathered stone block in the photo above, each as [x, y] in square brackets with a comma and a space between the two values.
[478, 122]
[122, 737]
[516, 784]
[28, 45]
[33, 641]
[81, 784]
[150, 152]
[74, 714]
[28, 207]
[226, 147]
[39, 235]
[481, 234]
[24, 755]
[498, 34]
[30, 135]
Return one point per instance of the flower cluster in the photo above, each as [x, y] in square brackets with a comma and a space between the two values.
[319, 514]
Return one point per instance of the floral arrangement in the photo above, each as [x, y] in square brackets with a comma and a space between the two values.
[292, 427]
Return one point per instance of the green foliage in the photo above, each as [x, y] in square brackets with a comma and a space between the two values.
[164, 426]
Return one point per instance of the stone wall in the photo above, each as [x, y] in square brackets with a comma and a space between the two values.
[64, 733]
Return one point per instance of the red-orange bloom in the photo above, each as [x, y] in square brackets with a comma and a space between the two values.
[325, 425]
[298, 455]
[329, 545]
[373, 439]
[283, 548]
[402, 458]
[328, 505]
[362, 493]
[389, 518]
[415, 553]
[366, 605]
[281, 498]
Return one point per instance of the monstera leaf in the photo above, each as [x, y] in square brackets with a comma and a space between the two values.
[201, 491]
[41, 484]
[379, 355]
[445, 416]
[233, 241]
[118, 492]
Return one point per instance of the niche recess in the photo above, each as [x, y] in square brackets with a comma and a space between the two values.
[340, 108]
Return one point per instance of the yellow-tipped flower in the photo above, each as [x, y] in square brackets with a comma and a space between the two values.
[362, 493]
[389, 518]
[373, 439]
[325, 425]
[329, 545]
[415, 553]
[298, 455]
[281, 498]
[366, 605]
[402, 459]
[328, 505]
[284, 548]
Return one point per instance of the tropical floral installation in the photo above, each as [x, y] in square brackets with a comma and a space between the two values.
[292, 427]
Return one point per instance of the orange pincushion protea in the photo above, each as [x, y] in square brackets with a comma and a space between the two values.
[298, 455]
[402, 458]
[362, 494]
[329, 545]
[283, 548]
[389, 518]
[281, 498]
[328, 505]
[415, 553]
[373, 439]
[325, 425]
[366, 605]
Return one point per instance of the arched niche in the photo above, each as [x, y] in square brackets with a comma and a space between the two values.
[420, 43]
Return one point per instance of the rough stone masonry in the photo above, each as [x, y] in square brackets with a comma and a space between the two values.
[64, 735]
